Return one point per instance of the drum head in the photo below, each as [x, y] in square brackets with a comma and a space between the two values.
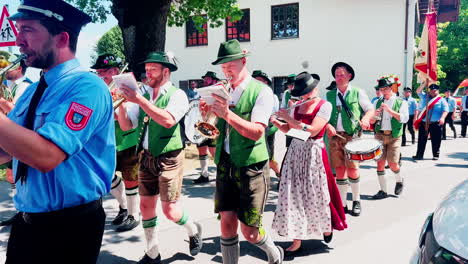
[192, 117]
[362, 145]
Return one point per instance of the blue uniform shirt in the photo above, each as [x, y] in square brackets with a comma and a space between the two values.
[412, 105]
[464, 103]
[451, 103]
[75, 113]
[437, 110]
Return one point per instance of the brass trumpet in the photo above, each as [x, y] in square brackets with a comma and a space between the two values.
[207, 128]
[4, 90]
[118, 99]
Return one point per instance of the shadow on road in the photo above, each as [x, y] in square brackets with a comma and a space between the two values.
[105, 257]
[459, 155]
[462, 166]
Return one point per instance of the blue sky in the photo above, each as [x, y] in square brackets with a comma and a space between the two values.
[88, 38]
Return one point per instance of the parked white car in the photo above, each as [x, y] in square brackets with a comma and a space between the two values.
[444, 236]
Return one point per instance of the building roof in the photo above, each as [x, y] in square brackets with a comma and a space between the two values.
[447, 10]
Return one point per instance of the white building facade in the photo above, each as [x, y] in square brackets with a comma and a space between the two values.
[376, 37]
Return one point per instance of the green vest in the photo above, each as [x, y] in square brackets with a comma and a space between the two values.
[160, 139]
[397, 127]
[243, 151]
[352, 101]
[125, 139]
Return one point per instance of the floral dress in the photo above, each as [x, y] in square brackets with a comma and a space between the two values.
[304, 207]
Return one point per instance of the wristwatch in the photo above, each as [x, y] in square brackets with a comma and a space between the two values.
[305, 127]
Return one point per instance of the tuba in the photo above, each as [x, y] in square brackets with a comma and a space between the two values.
[4, 90]
[207, 127]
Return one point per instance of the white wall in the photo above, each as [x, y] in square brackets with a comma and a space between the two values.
[368, 34]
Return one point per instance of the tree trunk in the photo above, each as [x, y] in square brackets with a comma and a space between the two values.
[143, 25]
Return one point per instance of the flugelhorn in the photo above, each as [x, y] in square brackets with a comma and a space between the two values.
[4, 91]
[117, 99]
[207, 128]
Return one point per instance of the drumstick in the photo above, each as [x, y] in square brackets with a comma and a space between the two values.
[340, 136]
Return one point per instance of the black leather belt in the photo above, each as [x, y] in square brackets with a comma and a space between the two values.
[83, 209]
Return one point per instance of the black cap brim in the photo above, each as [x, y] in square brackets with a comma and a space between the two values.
[26, 16]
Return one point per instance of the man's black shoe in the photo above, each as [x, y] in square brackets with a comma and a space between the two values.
[123, 213]
[435, 158]
[417, 158]
[399, 188]
[356, 211]
[346, 210]
[201, 179]
[128, 224]
[444, 138]
[9, 221]
[380, 195]
[196, 241]
[147, 260]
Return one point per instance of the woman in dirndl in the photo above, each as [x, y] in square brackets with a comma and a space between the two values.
[309, 204]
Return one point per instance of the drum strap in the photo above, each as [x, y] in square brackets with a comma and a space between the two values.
[347, 110]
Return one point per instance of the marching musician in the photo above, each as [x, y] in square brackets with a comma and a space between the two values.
[412, 107]
[208, 145]
[156, 117]
[271, 129]
[60, 136]
[242, 178]
[392, 113]
[452, 104]
[349, 104]
[432, 112]
[16, 83]
[124, 190]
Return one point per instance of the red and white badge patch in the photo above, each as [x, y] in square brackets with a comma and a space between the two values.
[77, 116]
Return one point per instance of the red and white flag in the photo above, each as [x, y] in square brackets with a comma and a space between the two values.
[426, 56]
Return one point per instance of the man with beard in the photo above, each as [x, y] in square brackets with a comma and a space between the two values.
[241, 158]
[209, 78]
[156, 116]
[126, 190]
[61, 139]
[349, 105]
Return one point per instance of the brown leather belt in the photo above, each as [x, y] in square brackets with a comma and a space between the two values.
[385, 132]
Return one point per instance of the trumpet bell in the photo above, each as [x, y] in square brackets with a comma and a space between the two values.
[207, 130]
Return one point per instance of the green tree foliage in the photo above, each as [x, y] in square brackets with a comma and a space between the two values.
[110, 42]
[453, 52]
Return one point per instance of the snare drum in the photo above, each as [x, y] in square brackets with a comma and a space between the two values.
[361, 149]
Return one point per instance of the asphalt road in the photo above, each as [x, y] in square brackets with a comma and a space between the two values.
[386, 232]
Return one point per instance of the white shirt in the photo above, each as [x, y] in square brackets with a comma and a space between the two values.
[386, 123]
[364, 102]
[21, 87]
[177, 106]
[262, 109]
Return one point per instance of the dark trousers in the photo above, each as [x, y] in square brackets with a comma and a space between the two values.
[449, 121]
[436, 138]
[410, 126]
[464, 123]
[57, 237]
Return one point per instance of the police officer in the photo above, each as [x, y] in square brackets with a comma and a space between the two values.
[61, 139]
[124, 190]
[464, 113]
[436, 109]
[156, 115]
[452, 104]
[412, 107]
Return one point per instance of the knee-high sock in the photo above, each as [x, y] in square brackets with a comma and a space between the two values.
[398, 177]
[343, 188]
[188, 224]
[204, 164]
[382, 180]
[118, 191]
[150, 227]
[355, 186]
[267, 245]
[133, 202]
[230, 250]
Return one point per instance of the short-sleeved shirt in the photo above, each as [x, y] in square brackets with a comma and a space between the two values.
[451, 104]
[364, 102]
[262, 109]
[436, 112]
[386, 123]
[177, 106]
[412, 105]
[76, 114]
